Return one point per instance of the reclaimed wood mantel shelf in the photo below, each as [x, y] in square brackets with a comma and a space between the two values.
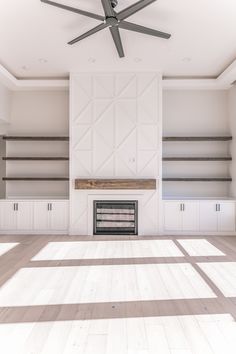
[115, 184]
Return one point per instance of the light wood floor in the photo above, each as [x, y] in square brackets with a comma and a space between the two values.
[117, 295]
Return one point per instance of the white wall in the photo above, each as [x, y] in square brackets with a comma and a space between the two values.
[43, 113]
[232, 122]
[195, 113]
[115, 130]
[5, 104]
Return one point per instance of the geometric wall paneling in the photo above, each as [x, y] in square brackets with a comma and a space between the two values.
[107, 168]
[101, 152]
[82, 163]
[147, 103]
[125, 119]
[103, 86]
[127, 151]
[148, 163]
[104, 126]
[122, 169]
[126, 86]
[148, 137]
[83, 135]
[100, 106]
[114, 134]
[143, 81]
[82, 97]
[85, 115]
[150, 204]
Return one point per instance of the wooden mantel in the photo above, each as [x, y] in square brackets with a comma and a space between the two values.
[115, 183]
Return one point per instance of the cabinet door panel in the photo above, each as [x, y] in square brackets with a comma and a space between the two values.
[190, 216]
[59, 216]
[24, 216]
[226, 217]
[41, 216]
[208, 216]
[172, 216]
[8, 216]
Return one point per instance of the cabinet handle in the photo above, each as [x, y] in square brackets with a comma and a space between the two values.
[48, 206]
[51, 206]
[16, 206]
[183, 207]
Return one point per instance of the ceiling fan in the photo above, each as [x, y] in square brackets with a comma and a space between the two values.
[113, 20]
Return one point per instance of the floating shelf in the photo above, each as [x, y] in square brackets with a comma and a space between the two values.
[197, 138]
[37, 138]
[197, 179]
[35, 178]
[35, 158]
[226, 158]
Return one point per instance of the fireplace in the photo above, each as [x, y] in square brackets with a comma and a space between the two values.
[119, 217]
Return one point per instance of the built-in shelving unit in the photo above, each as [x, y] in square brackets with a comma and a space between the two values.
[22, 156]
[201, 159]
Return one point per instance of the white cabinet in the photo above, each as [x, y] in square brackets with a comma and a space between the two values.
[217, 216]
[36, 216]
[208, 216]
[199, 216]
[172, 216]
[51, 215]
[16, 215]
[181, 216]
[226, 216]
[41, 216]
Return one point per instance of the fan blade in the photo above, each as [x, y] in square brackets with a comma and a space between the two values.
[141, 29]
[117, 40]
[72, 9]
[108, 9]
[133, 9]
[89, 33]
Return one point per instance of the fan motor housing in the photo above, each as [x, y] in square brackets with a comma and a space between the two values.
[114, 3]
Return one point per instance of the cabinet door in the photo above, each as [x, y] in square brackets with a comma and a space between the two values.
[190, 216]
[41, 216]
[172, 216]
[8, 216]
[59, 215]
[24, 215]
[208, 216]
[226, 216]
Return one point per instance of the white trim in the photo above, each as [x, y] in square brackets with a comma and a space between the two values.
[14, 84]
[222, 82]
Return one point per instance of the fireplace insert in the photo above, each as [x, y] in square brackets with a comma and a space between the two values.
[112, 217]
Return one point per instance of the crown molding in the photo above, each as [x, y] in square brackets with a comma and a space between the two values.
[14, 84]
[223, 82]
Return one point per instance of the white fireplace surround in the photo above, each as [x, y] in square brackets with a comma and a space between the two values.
[116, 132]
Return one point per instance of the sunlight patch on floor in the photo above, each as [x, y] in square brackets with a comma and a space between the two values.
[200, 247]
[5, 247]
[93, 284]
[223, 274]
[108, 249]
[201, 334]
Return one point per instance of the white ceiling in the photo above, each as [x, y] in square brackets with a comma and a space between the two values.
[203, 41]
